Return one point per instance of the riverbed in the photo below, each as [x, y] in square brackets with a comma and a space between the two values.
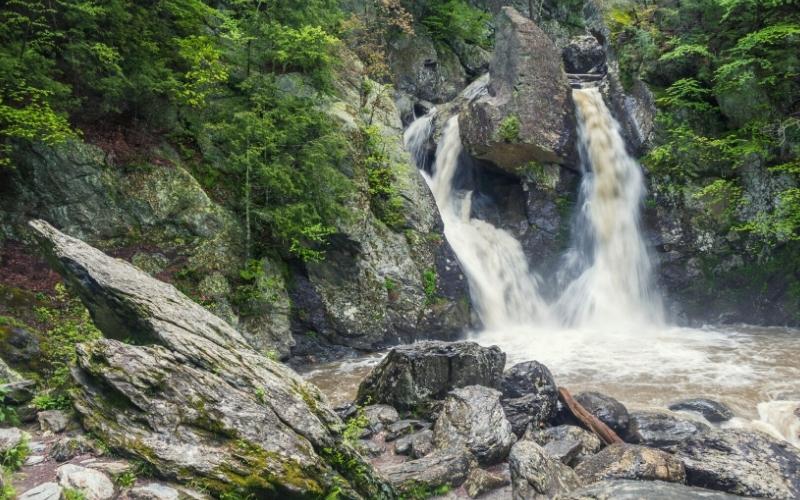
[754, 370]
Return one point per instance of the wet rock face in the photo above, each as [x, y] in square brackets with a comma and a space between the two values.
[527, 114]
[610, 411]
[579, 442]
[473, 418]
[410, 376]
[623, 489]
[662, 429]
[626, 461]
[535, 475]
[742, 463]
[530, 395]
[583, 55]
[196, 401]
[711, 410]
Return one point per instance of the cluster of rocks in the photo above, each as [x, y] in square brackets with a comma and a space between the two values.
[57, 459]
[479, 430]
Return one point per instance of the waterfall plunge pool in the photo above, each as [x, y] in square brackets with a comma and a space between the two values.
[754, 370]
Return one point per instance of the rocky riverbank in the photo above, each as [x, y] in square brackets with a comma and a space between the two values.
[173, 403]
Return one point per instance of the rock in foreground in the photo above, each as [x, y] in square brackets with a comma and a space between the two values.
[195, 400]
[535, 475]
[743, 463]
[627, 461]
[473, 418]
[622, 489]
[411, 376]
[530, 395]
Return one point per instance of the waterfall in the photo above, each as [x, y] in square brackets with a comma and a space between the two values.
[608, 260]
[606, 274]
[504, 291]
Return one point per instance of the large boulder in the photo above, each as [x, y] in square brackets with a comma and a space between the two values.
[411, 376]
[191, 397]
[741, 462]
[527, 115]
[607, 409]
[535, 475]
[473, 418]
[530, 395]
[628, 461]
[626, 489]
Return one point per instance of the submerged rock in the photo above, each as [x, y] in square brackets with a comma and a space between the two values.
[535, 475]
[711, 410]
[662, 429]
[526, 116]
[473, 418]
[610, 411]
[530, 395]
[743, 463]
[627, 461]
[625, 489]
[412, 376]
[195, 400]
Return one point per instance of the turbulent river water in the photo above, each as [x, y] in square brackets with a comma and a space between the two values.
[605, 330]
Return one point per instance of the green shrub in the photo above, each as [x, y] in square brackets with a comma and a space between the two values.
[509, 129]
[14, 458]
[429, 285]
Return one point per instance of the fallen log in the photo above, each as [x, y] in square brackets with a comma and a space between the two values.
[589, 421]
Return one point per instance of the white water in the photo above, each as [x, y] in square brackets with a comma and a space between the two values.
[609, 258]
[502, 287]
[605, 331]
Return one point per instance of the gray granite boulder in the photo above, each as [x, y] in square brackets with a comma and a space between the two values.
[192, 398]
[473, 418]
[527, 114]
[410, 377]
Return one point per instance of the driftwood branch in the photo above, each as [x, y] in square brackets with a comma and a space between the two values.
[587, 419]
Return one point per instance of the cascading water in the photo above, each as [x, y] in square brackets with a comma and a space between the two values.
[608, 261]
[607, 270]
[503, 289]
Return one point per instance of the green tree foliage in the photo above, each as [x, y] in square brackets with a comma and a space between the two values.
[67, 66]
[727, 78]
[448, 20]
